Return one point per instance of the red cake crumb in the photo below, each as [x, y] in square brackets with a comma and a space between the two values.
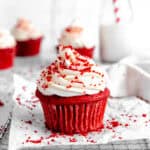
[92, 141]
[144, 115]
[72, 140]
[28, 122]
[68, 86]
[120, 138]
[126, 125]
[52, 135]
[18, 100]
[33, 105]
[53, 140]
[1, 104]
[48, 142]
[24, 88]
[48, 78]
[33, 97]
[35, 101]
[35, 141]
[115, 123]
[35, 131]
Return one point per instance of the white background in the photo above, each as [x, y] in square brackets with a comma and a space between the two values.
[51, 16]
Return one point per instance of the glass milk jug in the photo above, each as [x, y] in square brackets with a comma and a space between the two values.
[116, 30]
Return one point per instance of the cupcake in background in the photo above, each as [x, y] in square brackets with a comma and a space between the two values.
[7, 49]
[77, 36]
[28, 38]
[73, 93]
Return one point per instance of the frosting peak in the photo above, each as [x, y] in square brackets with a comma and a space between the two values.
[71, 75]
[76, 35]
[25, 30]
[6, 39]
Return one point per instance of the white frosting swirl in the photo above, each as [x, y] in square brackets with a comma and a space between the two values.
[25, 30]
[71, 75]
[6, 39]
[76, 36]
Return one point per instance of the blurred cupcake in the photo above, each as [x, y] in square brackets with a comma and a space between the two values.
[7, 49]
[73, 93]
[28, 38]
[77, 36]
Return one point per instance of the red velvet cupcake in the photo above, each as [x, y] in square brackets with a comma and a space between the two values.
[73, 93]
[7, 50]
[80, 39]
[28, 38]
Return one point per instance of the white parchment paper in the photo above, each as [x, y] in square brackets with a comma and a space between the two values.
[125, 118]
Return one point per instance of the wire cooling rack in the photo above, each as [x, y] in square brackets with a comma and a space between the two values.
[143, 144]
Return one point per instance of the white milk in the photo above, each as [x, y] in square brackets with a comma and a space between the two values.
[116, 41]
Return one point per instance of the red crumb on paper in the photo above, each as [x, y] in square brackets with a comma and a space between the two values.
[18, 100]
[35, 131]
[144, 115]
[120, 138]
[1, 104]
[115, 123]
[24, 88]
[28, 122]
[68, 86]
[35, 101]
[35, 141]
[117, 20]
[53, 135]
[72, 140]
[48, 143]
[116, 10]
[92, 141]
[114, 1]
[126, 125]
[53, 140]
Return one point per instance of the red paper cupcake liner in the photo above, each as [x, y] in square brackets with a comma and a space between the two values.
[29, 47]
[88, 52]
[7, 57]
[78, 114]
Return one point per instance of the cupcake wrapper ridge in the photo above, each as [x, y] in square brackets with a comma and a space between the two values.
[7, 57]
[79, 114]
[29, 47]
